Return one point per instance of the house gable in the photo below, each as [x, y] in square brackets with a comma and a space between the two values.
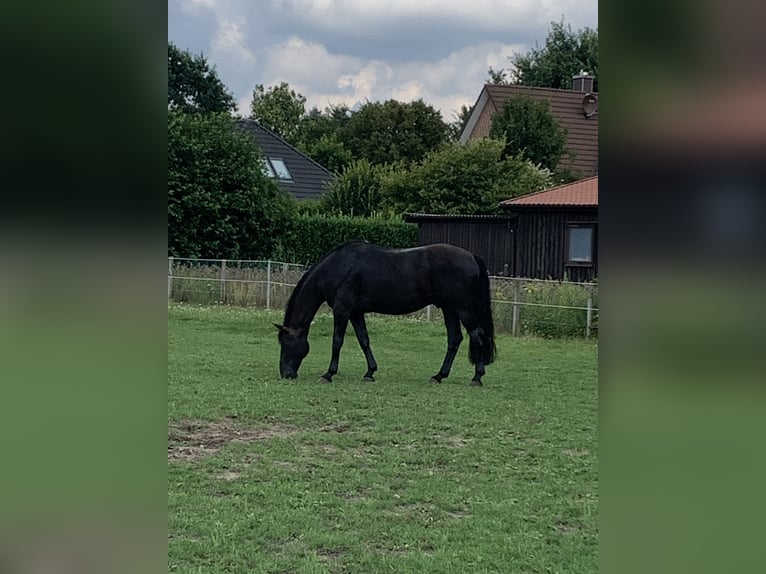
[307, 179]
[576, 111]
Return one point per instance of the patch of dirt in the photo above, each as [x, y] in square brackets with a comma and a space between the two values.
[574, 452]
[398, 550]
[457, 514]
[360, 493]
[565, 528]
[330, 554]
[190, 440]
[228, 475]
[286, 464]
[456, 441]
[341, 427]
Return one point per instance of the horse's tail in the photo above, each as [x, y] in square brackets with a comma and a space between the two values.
[482, 308]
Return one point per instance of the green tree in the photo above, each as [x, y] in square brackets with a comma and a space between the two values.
[279, 108]
[220, 203]
[564, 55]
[356, 190]
[497, 77]
[530, 131]
[393, 131]
[462, 179]
[319, 137]
[193, 86]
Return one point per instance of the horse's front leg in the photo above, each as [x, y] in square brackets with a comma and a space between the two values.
[339, 332]
[454, 338]
[360, 328]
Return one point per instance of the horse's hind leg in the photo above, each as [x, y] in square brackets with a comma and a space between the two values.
[360, 328]
[471, 324]
[454, 338]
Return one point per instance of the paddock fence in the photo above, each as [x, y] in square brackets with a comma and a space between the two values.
[520, 306]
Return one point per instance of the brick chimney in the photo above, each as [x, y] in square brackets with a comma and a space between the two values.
[582, 82]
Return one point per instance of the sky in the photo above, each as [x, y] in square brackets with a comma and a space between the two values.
[350, 52]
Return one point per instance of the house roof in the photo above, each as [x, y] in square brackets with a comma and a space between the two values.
[576, 111]
[582, 193]
[416, 217]
[309, 179]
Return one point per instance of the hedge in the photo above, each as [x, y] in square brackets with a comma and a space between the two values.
[308, 238]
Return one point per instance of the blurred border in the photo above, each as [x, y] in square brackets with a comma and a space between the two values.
[683, 181]
[82, 298]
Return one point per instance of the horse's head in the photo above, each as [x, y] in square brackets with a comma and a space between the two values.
[295, 347]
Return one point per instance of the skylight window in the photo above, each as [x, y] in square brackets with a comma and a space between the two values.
[276, 167]
[280, 168]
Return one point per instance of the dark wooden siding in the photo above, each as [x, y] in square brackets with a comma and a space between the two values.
[491, 240]
[540, 249]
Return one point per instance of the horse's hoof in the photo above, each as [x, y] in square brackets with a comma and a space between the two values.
[323, 380]
[434, 381]
[368, 380]
[476, 383]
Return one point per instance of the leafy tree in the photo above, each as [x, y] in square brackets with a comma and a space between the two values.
[220, 203]
[462, 179]
[497, 77]
[328, 152]
[461, 119]
[319, 137]
[356, 191]
[565, 53]
[279, 109]
[393, 131]
[193, 86]
[530, 131]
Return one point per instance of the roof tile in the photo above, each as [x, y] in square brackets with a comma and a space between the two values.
[582, 193]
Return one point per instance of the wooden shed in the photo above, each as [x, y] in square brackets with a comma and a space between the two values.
[489, 236]
[556, 232]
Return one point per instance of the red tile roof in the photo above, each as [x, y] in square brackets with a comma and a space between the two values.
[582, 193]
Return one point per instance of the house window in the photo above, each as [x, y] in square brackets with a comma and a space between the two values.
[276, 167]
[580, 243]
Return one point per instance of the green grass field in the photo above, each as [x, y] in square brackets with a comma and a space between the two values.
[267, 475]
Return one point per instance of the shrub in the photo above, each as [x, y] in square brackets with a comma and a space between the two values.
[307, 238]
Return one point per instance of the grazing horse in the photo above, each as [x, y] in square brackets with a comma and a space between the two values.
[359, 277]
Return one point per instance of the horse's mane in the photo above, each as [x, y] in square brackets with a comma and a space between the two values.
[302, 281]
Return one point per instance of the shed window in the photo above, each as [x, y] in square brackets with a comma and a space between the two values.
[580, 244]
[276, 167]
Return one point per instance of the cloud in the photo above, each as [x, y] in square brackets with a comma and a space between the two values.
[325, 78]
[353, 16]
[194, 6]
[230, 41]
[346, 51]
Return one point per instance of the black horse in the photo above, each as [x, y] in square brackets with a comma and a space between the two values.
[358, 278]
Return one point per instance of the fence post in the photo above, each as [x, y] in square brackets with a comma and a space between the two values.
[268, 285]
[284, 279]
[515, 325]
[589, 315]
[428, 312]
[223, 279]
[170, 277]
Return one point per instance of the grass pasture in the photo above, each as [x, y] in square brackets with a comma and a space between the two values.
[399, 475]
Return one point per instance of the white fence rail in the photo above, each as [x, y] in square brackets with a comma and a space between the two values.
[520, 306]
